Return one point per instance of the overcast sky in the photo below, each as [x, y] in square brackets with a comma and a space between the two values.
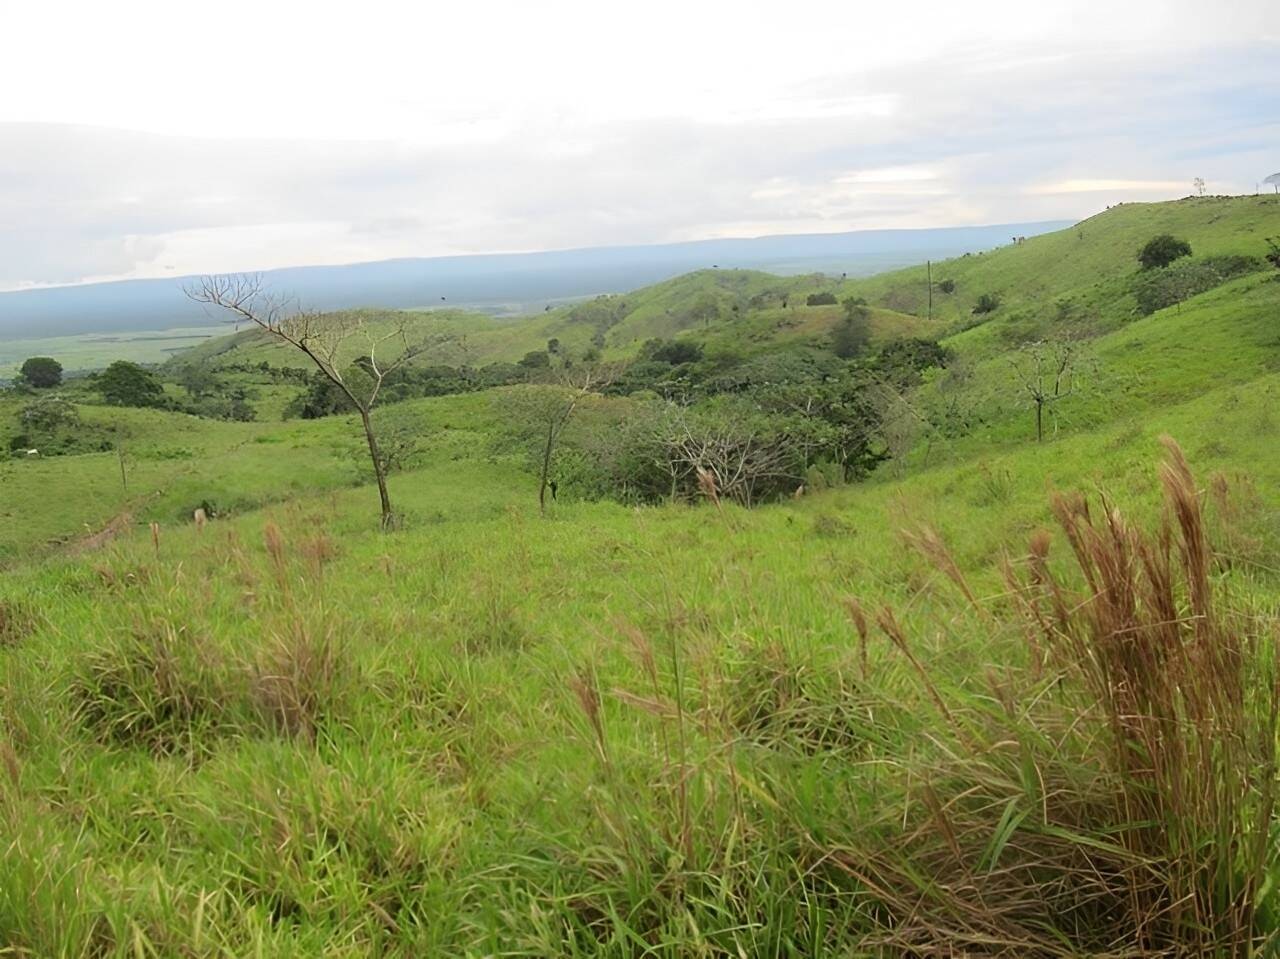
[144, 138]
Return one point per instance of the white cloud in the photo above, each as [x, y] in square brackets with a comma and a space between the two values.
[1110, 186]
[154, 136]
[892, 174]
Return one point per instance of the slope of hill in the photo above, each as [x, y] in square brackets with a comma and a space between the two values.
[1085, 271]
[730, 304]
[857, 722]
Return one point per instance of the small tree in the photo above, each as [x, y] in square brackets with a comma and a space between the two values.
[42, 372]
[1046, 371]
[197, 379]
[853, 332]
[1272, 255]
[1162, 250]
[1198, 184]
[947, 286]
[548, 409]
[705, 309]
[128, 384]
[327, 340]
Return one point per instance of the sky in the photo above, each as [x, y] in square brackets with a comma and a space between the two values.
[142, 139]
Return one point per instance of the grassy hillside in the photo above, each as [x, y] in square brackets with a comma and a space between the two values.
[1086, 267]
[944, 709]
[729, 304]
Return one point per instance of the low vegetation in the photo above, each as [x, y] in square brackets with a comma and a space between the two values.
[748, 619]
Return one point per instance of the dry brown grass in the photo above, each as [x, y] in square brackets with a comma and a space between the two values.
[1122, 803]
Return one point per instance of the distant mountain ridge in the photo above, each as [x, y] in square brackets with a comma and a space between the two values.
[501, 283]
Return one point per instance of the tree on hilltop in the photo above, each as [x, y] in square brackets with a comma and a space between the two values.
[327, 339]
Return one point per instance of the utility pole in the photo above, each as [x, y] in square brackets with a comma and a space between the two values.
[928, 265]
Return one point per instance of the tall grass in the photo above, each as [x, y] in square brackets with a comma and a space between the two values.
[1116, 796]
[489, 746]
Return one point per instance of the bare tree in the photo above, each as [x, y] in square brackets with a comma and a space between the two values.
[899, 422]
[1199, 185]
[343, 347]
[1047, 371]
[556, 409]
[728, 457]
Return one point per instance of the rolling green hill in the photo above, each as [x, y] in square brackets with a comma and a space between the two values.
[729, 304]
[1086, 270]
[884, 718]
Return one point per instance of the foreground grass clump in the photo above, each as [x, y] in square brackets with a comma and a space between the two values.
[1117, 795]
[661, 732]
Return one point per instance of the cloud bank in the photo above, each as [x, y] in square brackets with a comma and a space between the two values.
[335, 134]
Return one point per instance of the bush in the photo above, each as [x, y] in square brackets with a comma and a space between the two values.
[49, 415]
[902, 361]
[947, 286]
[820, 299]
[987, 303]
[1162, 250]
[1272, 255]
[1158, 289]
[53, 426]
[673, 352]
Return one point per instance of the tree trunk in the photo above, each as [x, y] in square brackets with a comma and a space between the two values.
[1039, 422]
[378, 471]
[546, 467]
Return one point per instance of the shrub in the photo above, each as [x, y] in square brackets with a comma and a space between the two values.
[53, 426]
[49, 415]
[1158, 289]
[820, 299]
[987, 303]
[1162, 250]
[673, 352]
[947, 286]
[1272, 255]
[904, 360]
